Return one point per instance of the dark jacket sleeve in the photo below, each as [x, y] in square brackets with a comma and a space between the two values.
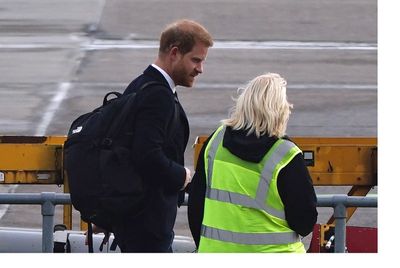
[197, 193]
[156, 107]
[298, 196]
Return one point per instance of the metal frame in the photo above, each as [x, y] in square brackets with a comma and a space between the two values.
[335, 161]
[340, 204]
[48, 201]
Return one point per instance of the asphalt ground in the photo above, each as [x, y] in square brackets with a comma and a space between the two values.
[59, 58]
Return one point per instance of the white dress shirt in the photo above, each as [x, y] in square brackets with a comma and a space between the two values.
[171, 82]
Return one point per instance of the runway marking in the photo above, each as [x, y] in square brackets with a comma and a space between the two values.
[208, 85]
[294, 45]
[41, 129]
[295, 86]
[100, 44]
[52, 108]
[62, 90]
[4, 207]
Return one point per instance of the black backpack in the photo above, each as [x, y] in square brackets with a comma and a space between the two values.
[103, 184]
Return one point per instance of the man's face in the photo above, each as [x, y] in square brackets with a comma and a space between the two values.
[188, 66]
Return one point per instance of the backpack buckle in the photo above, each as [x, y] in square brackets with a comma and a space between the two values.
[107, 142]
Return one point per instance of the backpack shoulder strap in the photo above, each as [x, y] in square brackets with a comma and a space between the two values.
[125, 112]
[90, 237]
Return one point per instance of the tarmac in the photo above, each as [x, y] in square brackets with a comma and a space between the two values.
[59, 58]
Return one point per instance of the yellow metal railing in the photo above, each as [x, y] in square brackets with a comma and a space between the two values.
[331, 162]
[335, 161]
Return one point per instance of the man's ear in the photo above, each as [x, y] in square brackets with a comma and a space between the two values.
[174, 53]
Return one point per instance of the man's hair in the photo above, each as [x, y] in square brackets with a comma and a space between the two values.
[184, 34]
[262, 107]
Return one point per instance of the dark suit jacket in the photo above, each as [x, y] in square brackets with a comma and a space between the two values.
[161, 133]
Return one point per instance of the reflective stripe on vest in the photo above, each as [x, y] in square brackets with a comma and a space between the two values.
[243, 200]
[211, 153]
[249, 238]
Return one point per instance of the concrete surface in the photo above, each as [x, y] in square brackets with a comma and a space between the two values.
[58, 58]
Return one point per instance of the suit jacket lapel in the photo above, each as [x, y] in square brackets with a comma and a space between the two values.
[154, 73]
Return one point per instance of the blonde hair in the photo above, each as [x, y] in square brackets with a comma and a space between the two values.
[262, 107]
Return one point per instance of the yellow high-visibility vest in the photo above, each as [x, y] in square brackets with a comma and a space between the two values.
[243, 211]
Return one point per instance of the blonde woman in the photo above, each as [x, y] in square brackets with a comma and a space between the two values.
[252, 191]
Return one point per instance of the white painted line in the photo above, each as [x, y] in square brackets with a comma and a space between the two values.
[294, 45]
[332, 86]
[100, 44]
[32, 46]
[41, 130]
[293, 86]
[4, 207]
[52, 108]
[121, 86]
[94, 26]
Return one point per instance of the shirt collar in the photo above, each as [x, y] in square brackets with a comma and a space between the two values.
[171, 82]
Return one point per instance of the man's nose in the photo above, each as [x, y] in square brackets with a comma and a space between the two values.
[199, 68]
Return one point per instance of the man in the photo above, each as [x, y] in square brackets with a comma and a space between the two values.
[160, 136]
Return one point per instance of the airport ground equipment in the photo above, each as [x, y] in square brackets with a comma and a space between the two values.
[340, 161]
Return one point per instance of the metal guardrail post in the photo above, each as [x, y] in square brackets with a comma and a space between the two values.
[340, 214]
[48, 208]
[47, 200]
[340, 203]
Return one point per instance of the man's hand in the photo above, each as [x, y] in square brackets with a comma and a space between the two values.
[188, 178]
